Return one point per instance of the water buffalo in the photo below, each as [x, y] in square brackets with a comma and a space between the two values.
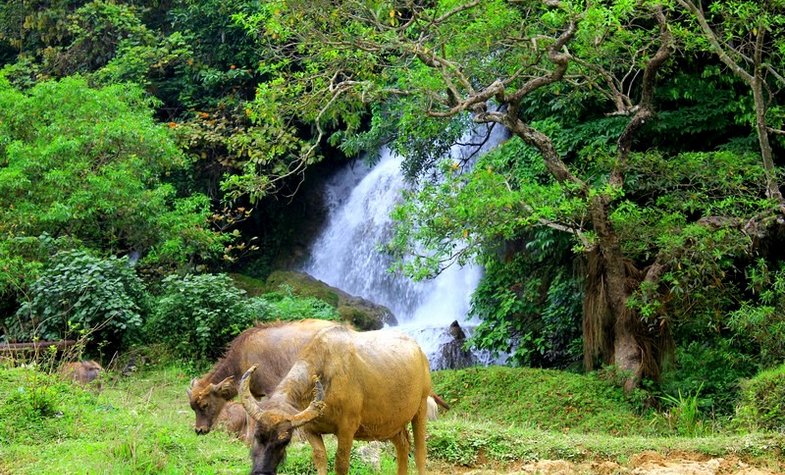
[272, 347]
[82, 372]
[365, 386]
[235, 420]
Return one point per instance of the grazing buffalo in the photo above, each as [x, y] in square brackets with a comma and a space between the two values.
[272, 347]
[365, 386]
[235, 420]
[82, 372]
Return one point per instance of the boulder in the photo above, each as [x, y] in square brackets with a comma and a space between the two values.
[452, 353]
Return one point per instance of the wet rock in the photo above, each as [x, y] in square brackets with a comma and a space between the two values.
[452, 352]
[456, 331]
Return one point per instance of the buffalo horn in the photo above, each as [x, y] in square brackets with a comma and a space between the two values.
[249, 403]
[314, 409]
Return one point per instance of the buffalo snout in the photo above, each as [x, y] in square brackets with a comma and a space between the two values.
[201, 430]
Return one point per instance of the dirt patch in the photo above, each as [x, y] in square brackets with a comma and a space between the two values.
[644, 463]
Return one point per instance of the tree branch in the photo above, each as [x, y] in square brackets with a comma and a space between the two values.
[645, 107]
[715, 42]
[558, 57]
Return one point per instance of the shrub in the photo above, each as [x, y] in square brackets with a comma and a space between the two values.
[763, 401]
[79, 294]
[197, 315]
[711, 370]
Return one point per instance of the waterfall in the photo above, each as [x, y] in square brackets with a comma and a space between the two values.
[346, 253]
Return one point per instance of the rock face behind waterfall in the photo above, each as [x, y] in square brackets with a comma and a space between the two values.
[360, 312]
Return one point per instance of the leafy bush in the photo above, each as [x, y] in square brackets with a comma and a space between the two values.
[711, 370]
[530, 302]
[79, 294]
[197, 315]
[763, 401]
[761, 317]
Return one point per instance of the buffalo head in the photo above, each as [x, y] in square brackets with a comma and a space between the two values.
[207, 400]
[275, 424]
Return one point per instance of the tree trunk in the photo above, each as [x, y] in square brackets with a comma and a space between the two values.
[627, 353]
[626, 349]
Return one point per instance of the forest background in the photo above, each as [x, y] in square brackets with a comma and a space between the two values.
[632, 222]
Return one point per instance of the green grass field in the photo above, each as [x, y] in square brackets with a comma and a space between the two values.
[501, 417]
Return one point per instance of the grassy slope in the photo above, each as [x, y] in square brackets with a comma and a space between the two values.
[143, 424]
[543, 399]
[138, 425]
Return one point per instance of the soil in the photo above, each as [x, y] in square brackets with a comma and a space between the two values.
[644, 463]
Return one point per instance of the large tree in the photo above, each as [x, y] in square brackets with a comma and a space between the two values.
[431, 70]
[84, 166]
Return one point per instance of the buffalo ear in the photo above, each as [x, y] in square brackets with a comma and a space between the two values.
[227, 389]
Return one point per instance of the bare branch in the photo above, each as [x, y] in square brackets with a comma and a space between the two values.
[473, 101]
[775, 131]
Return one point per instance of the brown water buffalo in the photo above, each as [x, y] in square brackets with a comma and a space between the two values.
[365, 386]
[235, 420]
[82, 372]
[272, 347]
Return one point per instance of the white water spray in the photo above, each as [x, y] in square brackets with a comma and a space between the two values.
[346, 253]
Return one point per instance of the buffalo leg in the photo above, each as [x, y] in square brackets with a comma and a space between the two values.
[345, 439]
[418, 427]
[401, 443]
[319, 452]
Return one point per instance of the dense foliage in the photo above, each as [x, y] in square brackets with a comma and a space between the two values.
[197, 315]
[80, 295]
[89, 164]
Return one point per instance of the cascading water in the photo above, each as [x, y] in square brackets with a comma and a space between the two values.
[346, 254]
